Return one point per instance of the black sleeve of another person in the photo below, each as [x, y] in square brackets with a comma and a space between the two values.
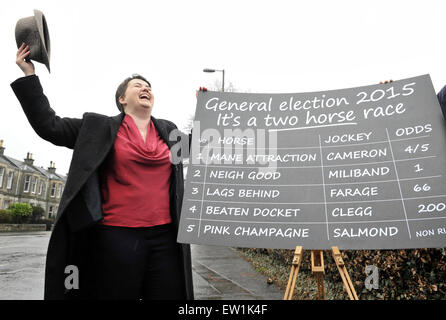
[441, 95]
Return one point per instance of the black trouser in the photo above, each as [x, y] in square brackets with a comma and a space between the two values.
[135, 263]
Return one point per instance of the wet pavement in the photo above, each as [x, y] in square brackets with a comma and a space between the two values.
[22, 263]
[219, 273]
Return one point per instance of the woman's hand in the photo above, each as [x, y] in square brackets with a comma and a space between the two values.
[26, 66]
[201, 89]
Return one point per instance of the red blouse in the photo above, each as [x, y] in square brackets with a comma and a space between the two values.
[136, 179]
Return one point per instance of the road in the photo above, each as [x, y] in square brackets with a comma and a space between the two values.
[22, 262]
[219, 273]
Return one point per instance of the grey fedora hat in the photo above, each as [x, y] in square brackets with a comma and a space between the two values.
[34, 32]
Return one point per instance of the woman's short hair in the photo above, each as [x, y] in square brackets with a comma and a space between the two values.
[123, 87]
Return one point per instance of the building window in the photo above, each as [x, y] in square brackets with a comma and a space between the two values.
[10, 180]
[6, 204]
[53, 189]
[27, 181]
[34, 185]
[50, 212]
[40, 187]
[2, 173]
[59, 190]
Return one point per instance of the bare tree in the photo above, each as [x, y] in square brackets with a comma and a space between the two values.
[189, 124]
[215, 87]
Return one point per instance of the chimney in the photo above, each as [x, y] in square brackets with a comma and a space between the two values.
[52, 167]
[29, 159]
[2, 149]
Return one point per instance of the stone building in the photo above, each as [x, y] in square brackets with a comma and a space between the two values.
[23, 181]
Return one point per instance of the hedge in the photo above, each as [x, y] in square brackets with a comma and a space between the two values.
[403, 274]
[5, 216]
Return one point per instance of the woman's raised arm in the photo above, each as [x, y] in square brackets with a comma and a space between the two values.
[43, 119]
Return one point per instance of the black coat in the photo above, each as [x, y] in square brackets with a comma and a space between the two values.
[91, 139]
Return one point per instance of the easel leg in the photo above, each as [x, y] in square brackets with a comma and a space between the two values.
[348, 285]
[317, 267]
[293, 274]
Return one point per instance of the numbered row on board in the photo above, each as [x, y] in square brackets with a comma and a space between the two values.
[405, 172]
[377, 191]
[425, 208]
[375, 152]
[371, 235]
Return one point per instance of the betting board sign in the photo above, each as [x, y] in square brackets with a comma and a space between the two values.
[358, 168]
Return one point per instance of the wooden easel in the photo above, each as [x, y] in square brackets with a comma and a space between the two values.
[317, 267]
